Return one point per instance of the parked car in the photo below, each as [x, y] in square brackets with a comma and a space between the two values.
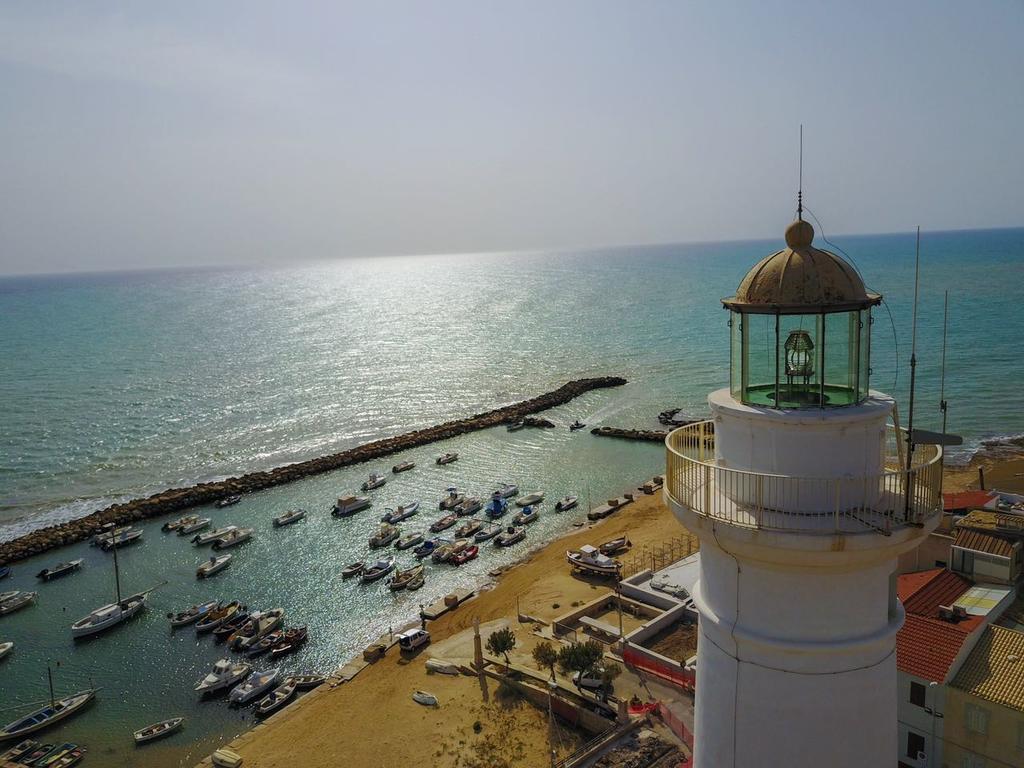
[412, 639]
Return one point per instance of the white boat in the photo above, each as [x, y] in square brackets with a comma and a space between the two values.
[289, 517]
[158, 730]
[526, 515]
[109, 616]
[196, 525]
[469, 528]
[227, 501]
[193, 614]
[424, 698]
[489, 532]
[515, 426]
[47, 716]
[447, 458]
[237, 536]
[385, 534]
[225, 674]
[260, 623]
[277, 698]
[108, 533]
[255, 685]
[209, 537]
[212, 566]
[175, 525]
[403, 512]
[63, 569]
[5, 648]
[378, 570]
[510, 536]
[508, 490]
[403, 466]
[409, 541]
[349, 505]
[468, 506]
[376, 480]
[121, 539]
[17, 601]
[567, 502]
[530, 499]
[452, 500]
[590, 560]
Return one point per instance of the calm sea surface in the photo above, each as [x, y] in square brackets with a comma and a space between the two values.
[115, 386]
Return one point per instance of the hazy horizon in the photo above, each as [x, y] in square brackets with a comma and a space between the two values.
[187, 135]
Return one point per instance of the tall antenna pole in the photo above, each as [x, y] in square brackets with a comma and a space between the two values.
[117, 573]
[913, 371]
[943, 405]
[800, 184]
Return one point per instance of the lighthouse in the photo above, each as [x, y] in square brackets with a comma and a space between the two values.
[803, 491]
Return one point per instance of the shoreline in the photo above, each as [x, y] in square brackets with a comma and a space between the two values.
[178, 499]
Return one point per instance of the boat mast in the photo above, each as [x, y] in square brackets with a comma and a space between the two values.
[49, 675]
[117, 574]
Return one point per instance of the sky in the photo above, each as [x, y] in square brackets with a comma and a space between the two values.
[138, 135]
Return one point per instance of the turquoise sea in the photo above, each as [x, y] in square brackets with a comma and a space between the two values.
[118, 385]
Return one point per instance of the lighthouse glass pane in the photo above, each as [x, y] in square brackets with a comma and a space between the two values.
[799, 361]
[736, 355]
[842, 336]
[864, 378]
[758, 379]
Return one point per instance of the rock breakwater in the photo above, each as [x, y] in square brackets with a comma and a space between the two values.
[178, 499]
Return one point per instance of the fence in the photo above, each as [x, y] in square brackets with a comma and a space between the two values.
[676, 674]
[657, 556]
[676, 725]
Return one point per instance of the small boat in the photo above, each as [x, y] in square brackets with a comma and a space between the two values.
[196, 525]
[346, 506]
[526, 516]
[508, 490]
[47, 716]
[260, 623]
[17, 601]
[225, 674]
[291, 642]
[6, 648]
[212, 566]
[266, 643]
[226, 758]
[109, 616]
[411, 540]
[308, 682]
[590, 560]
[463, 557]
[217, 617]
[416, 582]
[404, 512]
[444, 523]
[230, 626]
[227, 501]
[452, 500]
[5, 571]
[277, 698]
[615, 546]
[158, 730]
[255, 685]
[176, 525]
[576, 425]
[515, 426]
[469, 528]
[567, 502]
[497, 506]
[54, 755]
[376, 480]
[424, 698]
[14, 754]
[121, 540]
[202, 539]
[447, 458]
[5, 596]
[427, 547]
[403, 466]
[468, 506]
[530, 499]
[37, 752]
[401, 579]
[108, 532]
[62, 569]
[385, 534]
[237, 536]
[442, 552]
[70, 758]
[193, 614]
[510, 536]
[289, 517]
[378, 570]
[489, 532]
[352, 569]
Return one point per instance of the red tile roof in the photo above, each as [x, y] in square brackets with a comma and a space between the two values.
[952, 502]
[983, 542]
[926, 648]
[908, 584]
[943, 588]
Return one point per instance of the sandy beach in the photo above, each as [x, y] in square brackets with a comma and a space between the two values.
[372, 721]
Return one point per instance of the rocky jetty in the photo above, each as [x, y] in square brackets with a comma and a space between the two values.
[536, 421]
[650, 435]
[178, 499]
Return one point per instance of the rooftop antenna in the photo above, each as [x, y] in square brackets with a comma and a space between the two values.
[913, 372]
[943, 405]
[800, 183]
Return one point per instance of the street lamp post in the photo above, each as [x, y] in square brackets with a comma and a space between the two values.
[933, 687]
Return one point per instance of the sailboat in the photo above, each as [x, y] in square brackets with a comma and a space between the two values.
[55, 711]
[110, 615]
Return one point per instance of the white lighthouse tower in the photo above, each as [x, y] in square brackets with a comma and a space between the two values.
[803, 496]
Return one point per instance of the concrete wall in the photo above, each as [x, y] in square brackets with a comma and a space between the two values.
[920, 720]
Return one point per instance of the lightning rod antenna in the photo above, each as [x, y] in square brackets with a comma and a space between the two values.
[800, 183]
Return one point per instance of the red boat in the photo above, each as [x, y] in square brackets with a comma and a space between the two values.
[469, 553]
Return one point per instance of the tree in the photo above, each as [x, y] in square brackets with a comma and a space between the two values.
[546, 656]
[580, 657]
[608, 674]
[500, 643]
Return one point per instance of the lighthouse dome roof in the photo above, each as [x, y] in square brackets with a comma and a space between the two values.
[801, 279]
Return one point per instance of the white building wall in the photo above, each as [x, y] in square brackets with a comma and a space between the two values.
[920, 720]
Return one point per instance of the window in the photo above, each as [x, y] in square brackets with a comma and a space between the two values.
[915, 744]
[976, 719]
[972, 761]
[917, 694]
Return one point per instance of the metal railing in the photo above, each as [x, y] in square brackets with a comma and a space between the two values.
[826, 505]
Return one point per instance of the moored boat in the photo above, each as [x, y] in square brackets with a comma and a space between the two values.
[403, 512]
[488, 532]
[468, 506]
[409, 540]
[567, 502]
[507, 490]
[54, 756]
[14, 754]
[308, 681]
[512, 535]
[615, 546]
[52, 713]
[120, 540]
[70, 758]
[62, 569]
[376, 480]
[447, 458]
[227, 501]
[265, 643]
[292, 640]
[6, 648]
[109, 531]
[385, 534]
[526, 515]
[497, 506]
[576, 425]
[469, 528]
[401, 579]
[255, 685]
[403, 466]
[444, 523]
[463, 557]
[202, 539]
[416, 582]
[260, 623]
[229, 626]
[193, 614]
[195, 525]
[427, 547]
[235, 537]
[176, 525]
[16, 601]
[158, 730]
[515, 426]
[212, 566]
[530, 499]
[225, 674]
[217, 616]
[589, 559]
[38, 752]
[378, 570]
[452, 500]
[289, 517]
[346, 506]
[352, 569]
[277, 698]
[109, 616]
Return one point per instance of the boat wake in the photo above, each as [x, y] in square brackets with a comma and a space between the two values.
[73, 510]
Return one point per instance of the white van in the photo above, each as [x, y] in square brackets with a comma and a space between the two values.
[412, 639]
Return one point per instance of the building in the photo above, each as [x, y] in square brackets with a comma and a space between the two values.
[987, 547]
[803, 499]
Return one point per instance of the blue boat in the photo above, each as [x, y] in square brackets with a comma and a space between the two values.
[427, 548]
[5, 570]
[497, 506]
[47, 716]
